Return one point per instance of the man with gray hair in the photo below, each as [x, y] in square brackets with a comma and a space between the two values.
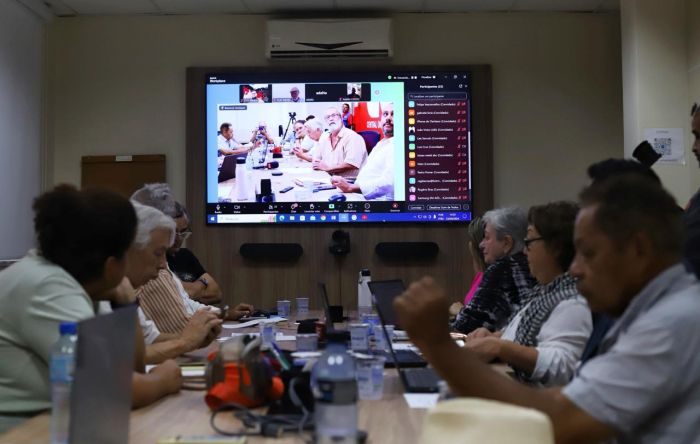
[344, 152]
[506, 284]
[165, 299]
[310, 142]
[145, 259]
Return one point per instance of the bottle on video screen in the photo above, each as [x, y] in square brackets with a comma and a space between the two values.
[61, 369]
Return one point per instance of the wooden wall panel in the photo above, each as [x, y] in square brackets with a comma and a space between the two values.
[263, 284]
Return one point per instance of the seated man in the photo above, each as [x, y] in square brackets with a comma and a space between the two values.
[376, 178]
[145, 260]
[343, 153]
[308, 148]
[644, 385]
[83, 237]
[198, 284]
[226, 145]
[164, 298]
[544, 341]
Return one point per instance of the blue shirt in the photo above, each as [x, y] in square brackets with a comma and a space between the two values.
[645, 381]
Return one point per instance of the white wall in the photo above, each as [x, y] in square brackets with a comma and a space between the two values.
[117, 86]
[660, 57]
[21, 41]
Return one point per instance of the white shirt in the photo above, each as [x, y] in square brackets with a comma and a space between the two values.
[376, 177]
[227, 144]
[148, 327]
[560, 342]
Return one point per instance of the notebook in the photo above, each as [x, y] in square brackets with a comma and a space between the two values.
[104, 366]
[414, 380]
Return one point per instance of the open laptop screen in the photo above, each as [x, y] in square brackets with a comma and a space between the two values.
[383, 293]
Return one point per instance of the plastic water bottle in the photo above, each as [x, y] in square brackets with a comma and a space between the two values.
[241, 179]
[364, 297]
[335, 390]
[62, 366]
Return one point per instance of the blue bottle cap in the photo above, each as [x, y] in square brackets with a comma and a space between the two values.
[68, 328]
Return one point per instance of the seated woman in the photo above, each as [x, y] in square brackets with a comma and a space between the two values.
[544, 340]
[505, 286]
[475, 234]
[81, 257]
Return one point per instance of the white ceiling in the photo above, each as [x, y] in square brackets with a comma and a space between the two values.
[329, 7]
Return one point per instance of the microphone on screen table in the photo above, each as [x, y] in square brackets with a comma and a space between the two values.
[272, 165]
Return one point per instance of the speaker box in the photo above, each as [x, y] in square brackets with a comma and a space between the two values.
[271, 252]
[402, 251]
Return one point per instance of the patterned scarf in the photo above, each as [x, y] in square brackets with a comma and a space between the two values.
[545, 299]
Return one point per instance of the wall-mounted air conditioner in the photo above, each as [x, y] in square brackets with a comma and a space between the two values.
[328, 38]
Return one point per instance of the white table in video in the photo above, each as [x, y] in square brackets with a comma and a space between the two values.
[296, 173]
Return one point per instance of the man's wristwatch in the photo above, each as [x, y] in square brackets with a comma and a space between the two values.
[204, 282]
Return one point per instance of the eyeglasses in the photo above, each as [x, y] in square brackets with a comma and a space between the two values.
[182, 235]
[529, 241]
[333, 116]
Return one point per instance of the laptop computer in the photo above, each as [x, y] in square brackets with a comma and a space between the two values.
[384, 293]
[323, 296]
[101, 396]
[414, 380]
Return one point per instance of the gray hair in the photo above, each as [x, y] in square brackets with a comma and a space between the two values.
[156, 195]
[150, 219]
[510, 221]
[314, 124]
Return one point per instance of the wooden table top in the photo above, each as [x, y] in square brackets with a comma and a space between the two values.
[388, 420]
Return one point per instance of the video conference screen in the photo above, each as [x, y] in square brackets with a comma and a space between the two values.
[365, 147]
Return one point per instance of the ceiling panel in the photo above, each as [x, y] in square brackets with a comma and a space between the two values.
[273, 6]
[107, 7]
[555, 5]
[466, 5]
[381, 5]
[201, 6]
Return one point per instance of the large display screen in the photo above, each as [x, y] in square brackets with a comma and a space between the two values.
[324, 147]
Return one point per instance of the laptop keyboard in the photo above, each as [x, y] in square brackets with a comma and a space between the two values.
[405, 358]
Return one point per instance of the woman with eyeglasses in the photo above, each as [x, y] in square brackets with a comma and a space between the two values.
[505, 285]
[544, 341]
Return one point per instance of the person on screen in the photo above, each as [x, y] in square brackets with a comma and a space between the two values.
[347, 117]
[376, 178]
[644, 385]
[299, 132]
[260, 133]
[309, 144]
[344, 152]
[353, 94]
[227, 145]
[294, 93]
[83, 238]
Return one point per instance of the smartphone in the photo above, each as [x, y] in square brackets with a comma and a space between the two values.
[224, 312]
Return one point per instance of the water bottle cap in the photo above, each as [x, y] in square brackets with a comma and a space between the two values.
[364, 272]
[68, 328]
[240, 160]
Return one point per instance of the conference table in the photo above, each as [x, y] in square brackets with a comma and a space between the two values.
[388, 420]
[296, 173]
